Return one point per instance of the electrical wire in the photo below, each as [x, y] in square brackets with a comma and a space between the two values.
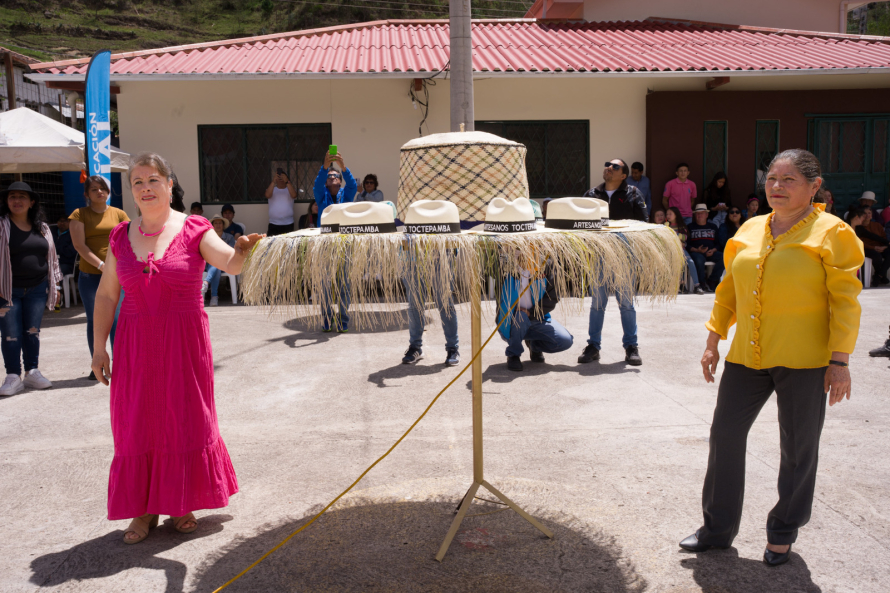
[425, 103]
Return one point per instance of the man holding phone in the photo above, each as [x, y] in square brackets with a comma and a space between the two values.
[333, 186]
[281, 194]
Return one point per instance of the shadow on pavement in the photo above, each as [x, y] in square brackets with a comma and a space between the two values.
[722, 571]
[391, 547]
[108, 555]
[400, 371]
[498, 373]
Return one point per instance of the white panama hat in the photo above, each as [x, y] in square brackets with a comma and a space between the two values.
[504, 216]
[365, 218]
[329, 222]
[432, 217]
[575, 214]
[604, 210]
[868, 195]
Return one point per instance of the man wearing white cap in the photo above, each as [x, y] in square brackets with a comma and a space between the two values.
[866, 201]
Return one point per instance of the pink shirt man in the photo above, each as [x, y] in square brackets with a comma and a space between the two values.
[681, 194]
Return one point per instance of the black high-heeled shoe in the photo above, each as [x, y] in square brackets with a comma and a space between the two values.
[771, 558]
[691, 544]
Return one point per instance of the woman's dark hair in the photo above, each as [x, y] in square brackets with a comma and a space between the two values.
[370, 177]
[678, 218]
[36, 215]
[97, 180]
[713, 185]
[177, 194]
[855, 213]
[805, 162]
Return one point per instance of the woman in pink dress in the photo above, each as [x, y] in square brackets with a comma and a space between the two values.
[168, 455]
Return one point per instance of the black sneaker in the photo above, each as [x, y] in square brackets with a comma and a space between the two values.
[452, 357]
[513, 363]
[590, 354]
[632, 356]
[535, 356]
[698, 290]
[882, 351]
[412, 355]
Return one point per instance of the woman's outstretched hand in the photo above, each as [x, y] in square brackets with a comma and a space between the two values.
[711, 357]
[101, 366]
[246, 242]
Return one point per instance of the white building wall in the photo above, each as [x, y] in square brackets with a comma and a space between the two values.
[806, 15]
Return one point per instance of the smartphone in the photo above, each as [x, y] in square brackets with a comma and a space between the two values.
[280, 171]
[332, 150]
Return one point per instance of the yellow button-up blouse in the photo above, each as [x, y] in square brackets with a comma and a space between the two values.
[795, 297]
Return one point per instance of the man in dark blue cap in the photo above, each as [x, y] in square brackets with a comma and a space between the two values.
[235, 228]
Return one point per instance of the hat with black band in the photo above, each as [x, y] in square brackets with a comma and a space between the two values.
[504, 216]
[432, 217]
[574, 214]
[329, 222]
[367, 218]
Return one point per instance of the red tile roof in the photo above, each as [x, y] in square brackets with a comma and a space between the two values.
[507, 46]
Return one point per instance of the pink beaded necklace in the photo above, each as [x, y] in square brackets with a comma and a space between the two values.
[144, 234]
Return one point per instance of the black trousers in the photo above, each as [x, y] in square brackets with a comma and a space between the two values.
[743, 392]
[279, 229]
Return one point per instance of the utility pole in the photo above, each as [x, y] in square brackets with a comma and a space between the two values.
[10, 80]
[461, 74]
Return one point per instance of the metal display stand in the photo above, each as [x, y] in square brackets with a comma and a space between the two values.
[478, 477]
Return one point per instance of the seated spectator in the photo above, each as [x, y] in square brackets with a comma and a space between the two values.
[675, 221]
[211, 274]
[196, 209]
[658, 217]
[530, 320]
[310, 219]
[875, 243]
[369, 192]
[867, 201]
[728, 229]
[717, 198]
[64, 246]
[702, 247]
[753, 207]
[236, 229]
[826, 197]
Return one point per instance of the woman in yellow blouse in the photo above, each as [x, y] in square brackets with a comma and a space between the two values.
[791, 289]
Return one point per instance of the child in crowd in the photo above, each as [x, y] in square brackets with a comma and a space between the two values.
[675, 221]
[658, 217]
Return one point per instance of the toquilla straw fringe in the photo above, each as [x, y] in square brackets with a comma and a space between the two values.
[294, 272]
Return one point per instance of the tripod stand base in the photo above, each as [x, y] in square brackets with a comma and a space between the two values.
[465, 506]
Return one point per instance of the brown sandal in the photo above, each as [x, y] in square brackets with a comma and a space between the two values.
[179, 521]
[140, 526]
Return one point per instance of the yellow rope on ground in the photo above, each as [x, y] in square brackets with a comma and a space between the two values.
[382, 457]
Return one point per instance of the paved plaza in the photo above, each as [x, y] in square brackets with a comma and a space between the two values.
[610, 457]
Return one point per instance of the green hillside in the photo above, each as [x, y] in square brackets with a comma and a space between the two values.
[59, 29]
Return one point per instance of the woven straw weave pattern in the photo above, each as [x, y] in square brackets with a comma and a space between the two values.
[469, 175]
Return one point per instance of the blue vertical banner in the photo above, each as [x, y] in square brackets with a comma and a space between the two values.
[97, 99]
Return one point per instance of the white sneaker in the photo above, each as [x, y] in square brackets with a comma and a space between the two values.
[12, 385]
[214, 301]
[35, 380]
[204, 287]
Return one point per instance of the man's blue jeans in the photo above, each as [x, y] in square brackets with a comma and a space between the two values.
[88, 286]
[212, 276]
[327, 310]
[543, 336]
[20, 327]
[701, 258]
[598, 302]
[417, 320]
[691, 265]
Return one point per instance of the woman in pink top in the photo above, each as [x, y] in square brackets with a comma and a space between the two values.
[168, 455]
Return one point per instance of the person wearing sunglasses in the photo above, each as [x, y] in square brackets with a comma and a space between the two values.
[729, 227]
[333, 186]
[369, 192]
[626, 202]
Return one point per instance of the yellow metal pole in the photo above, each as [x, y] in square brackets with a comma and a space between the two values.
[476, 331]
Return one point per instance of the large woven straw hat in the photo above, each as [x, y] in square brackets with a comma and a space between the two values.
[364, 218]
[467, 168]
[432, 217]
[505, 216]
[578, 214]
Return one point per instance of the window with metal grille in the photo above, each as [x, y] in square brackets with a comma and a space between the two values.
[766, 145]
[238, 162]
[716, 151]
[558, 157]
[50, 189]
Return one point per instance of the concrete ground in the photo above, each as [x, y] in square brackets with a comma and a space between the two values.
[610, 457]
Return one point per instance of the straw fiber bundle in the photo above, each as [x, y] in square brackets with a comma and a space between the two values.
[302, 271]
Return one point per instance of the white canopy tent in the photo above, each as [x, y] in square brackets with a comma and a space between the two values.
[33, 143]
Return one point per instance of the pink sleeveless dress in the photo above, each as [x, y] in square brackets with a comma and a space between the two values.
[168, 456]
